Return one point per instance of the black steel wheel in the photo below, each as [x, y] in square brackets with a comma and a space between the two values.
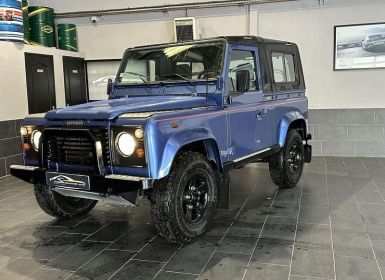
[286, 166]
[195, 199]
[183, 202]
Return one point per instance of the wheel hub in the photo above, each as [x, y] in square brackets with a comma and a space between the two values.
[294, 158]
[195, 199]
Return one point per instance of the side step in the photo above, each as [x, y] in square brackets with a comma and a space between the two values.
[125, 199]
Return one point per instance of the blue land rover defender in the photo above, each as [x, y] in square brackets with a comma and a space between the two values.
[178, 118]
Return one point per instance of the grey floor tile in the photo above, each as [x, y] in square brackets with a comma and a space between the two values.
[77, 255]
[280, 227]
[314, 200]
[273, 251]
[267, 271]
[352, 244]
[191, 258]
[237, 244]
[333, 160]
[158, 250]
[313, 261]
[165, 275]
[217, 228]
[49, 274]
[138, 270]
[314, 215]
[284, 209]
[251, 233]
[103, 265]
[314, 234]
[136, 238]
[51, 248]
[353, 268]
[226, 266]
[290, 195]
[111, 232]
[87, 227]
[20, 268]
[250, 219]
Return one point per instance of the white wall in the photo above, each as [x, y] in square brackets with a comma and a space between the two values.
[304, 22]
[313, 31]
[13, 84]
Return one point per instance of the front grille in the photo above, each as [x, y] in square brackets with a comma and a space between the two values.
[74, 150]
[70, 150]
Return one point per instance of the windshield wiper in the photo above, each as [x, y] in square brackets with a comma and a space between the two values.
[177, 76]
[194, 92]
[141, 76]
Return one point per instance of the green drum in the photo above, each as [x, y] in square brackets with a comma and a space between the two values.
[67, 37]
[41, 26]
[25, 21]
[40, 14]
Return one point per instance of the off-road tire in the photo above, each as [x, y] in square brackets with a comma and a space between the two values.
[279, 169]
[60, 206]
[167, 199]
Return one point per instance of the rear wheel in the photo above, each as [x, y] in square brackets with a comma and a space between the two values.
[184, 201]
[286, 166]
[60, 206]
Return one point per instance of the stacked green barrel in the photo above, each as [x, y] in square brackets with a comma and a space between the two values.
[41, 26]
[11, 21]
[67, 37]
[25, 21]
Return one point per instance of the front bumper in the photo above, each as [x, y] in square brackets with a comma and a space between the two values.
[108, 184]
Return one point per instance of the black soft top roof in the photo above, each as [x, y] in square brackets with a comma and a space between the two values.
[241, 40]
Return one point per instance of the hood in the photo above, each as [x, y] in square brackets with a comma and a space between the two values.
[110, 109]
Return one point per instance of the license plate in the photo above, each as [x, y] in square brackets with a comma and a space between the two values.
[73, 181]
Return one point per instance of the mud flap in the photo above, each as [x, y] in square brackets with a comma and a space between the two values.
[308, 153]
[223, 192]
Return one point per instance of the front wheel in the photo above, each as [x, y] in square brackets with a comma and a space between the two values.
[286, 166]
[183, 202]
[60, 206]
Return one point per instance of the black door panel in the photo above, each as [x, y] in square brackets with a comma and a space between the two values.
[74, 80]
[40, 83]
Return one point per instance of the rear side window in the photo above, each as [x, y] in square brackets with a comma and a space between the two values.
[283, 67]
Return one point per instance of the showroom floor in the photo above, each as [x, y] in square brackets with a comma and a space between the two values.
[331, 226]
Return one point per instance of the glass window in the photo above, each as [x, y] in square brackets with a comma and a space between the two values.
[278, 67]
[289, 66]
[98, 74]
[242, 60]
[173, 63]
[283, 67]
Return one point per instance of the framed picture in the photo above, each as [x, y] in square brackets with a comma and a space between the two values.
[98, 73]
[359, 46]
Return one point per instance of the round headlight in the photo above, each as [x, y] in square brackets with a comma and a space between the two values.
[23, 131]
[125, 143]
[35, 139]
[139, 133]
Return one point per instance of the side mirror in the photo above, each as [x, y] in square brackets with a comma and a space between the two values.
[109, 86]
[243, 80]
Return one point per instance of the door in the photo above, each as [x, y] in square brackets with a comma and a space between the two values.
[74, 80]
[40, 83]
[250, 128]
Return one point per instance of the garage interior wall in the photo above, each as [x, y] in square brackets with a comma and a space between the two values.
[346, 116]
[14, 99]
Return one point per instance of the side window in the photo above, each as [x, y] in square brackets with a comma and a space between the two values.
[283, 67]
[289, 67]
[278, 67]
[242, 60]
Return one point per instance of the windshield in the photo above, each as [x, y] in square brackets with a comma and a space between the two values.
[190, 62]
